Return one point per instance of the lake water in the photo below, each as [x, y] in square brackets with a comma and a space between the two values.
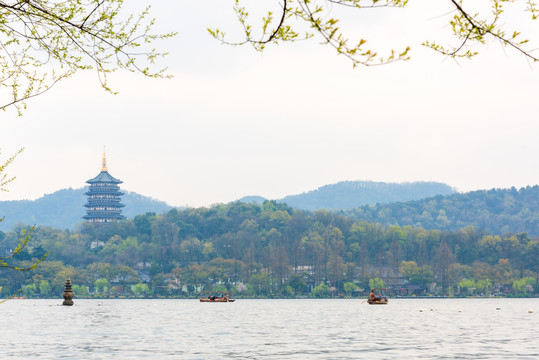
[270, 329]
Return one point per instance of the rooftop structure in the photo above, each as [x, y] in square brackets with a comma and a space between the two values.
[104, 204]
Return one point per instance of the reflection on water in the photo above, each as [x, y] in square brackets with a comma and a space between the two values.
[271, 329]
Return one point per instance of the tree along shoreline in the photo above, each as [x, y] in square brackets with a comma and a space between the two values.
[124, 297]
[269, 250]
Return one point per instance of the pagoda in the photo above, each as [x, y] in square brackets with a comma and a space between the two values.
[103, 204]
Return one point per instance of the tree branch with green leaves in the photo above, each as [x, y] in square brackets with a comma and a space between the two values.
[8, 261]
[45, 41]
[469, 27]
[4, 179]
[25, 238]
[475, 28]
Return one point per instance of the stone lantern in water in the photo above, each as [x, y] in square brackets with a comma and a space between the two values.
[68, 294]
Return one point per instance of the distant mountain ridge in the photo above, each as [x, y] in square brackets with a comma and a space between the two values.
[496, 211]
[252, 199]
[353, 194]
[64, 209]
[433, 206]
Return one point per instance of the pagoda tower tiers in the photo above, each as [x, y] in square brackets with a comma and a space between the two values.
[104, 204]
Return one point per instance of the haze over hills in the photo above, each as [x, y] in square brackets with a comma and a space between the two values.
[352, 194]
[425, 205]
[64, 209]
[496, 211]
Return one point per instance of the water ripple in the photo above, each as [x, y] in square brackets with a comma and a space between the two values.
[270, 329]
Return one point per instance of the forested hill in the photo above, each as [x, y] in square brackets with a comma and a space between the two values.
[268, 250]
[353, 194]
[498, 211]
[64, 209]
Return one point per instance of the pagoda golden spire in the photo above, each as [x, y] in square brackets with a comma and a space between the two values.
[104, 168]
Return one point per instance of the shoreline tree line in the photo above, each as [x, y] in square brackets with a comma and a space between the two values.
[269, 250]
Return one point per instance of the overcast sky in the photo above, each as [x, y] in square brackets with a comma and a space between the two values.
[233, 122]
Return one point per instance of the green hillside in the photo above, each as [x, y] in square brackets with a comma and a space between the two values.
[497, 211]
[268, 250]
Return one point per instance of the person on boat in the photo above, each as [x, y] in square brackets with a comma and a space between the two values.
[373, 297]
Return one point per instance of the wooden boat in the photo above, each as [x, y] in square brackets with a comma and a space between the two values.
[216, 300]
[379, 300]
[222, 297]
